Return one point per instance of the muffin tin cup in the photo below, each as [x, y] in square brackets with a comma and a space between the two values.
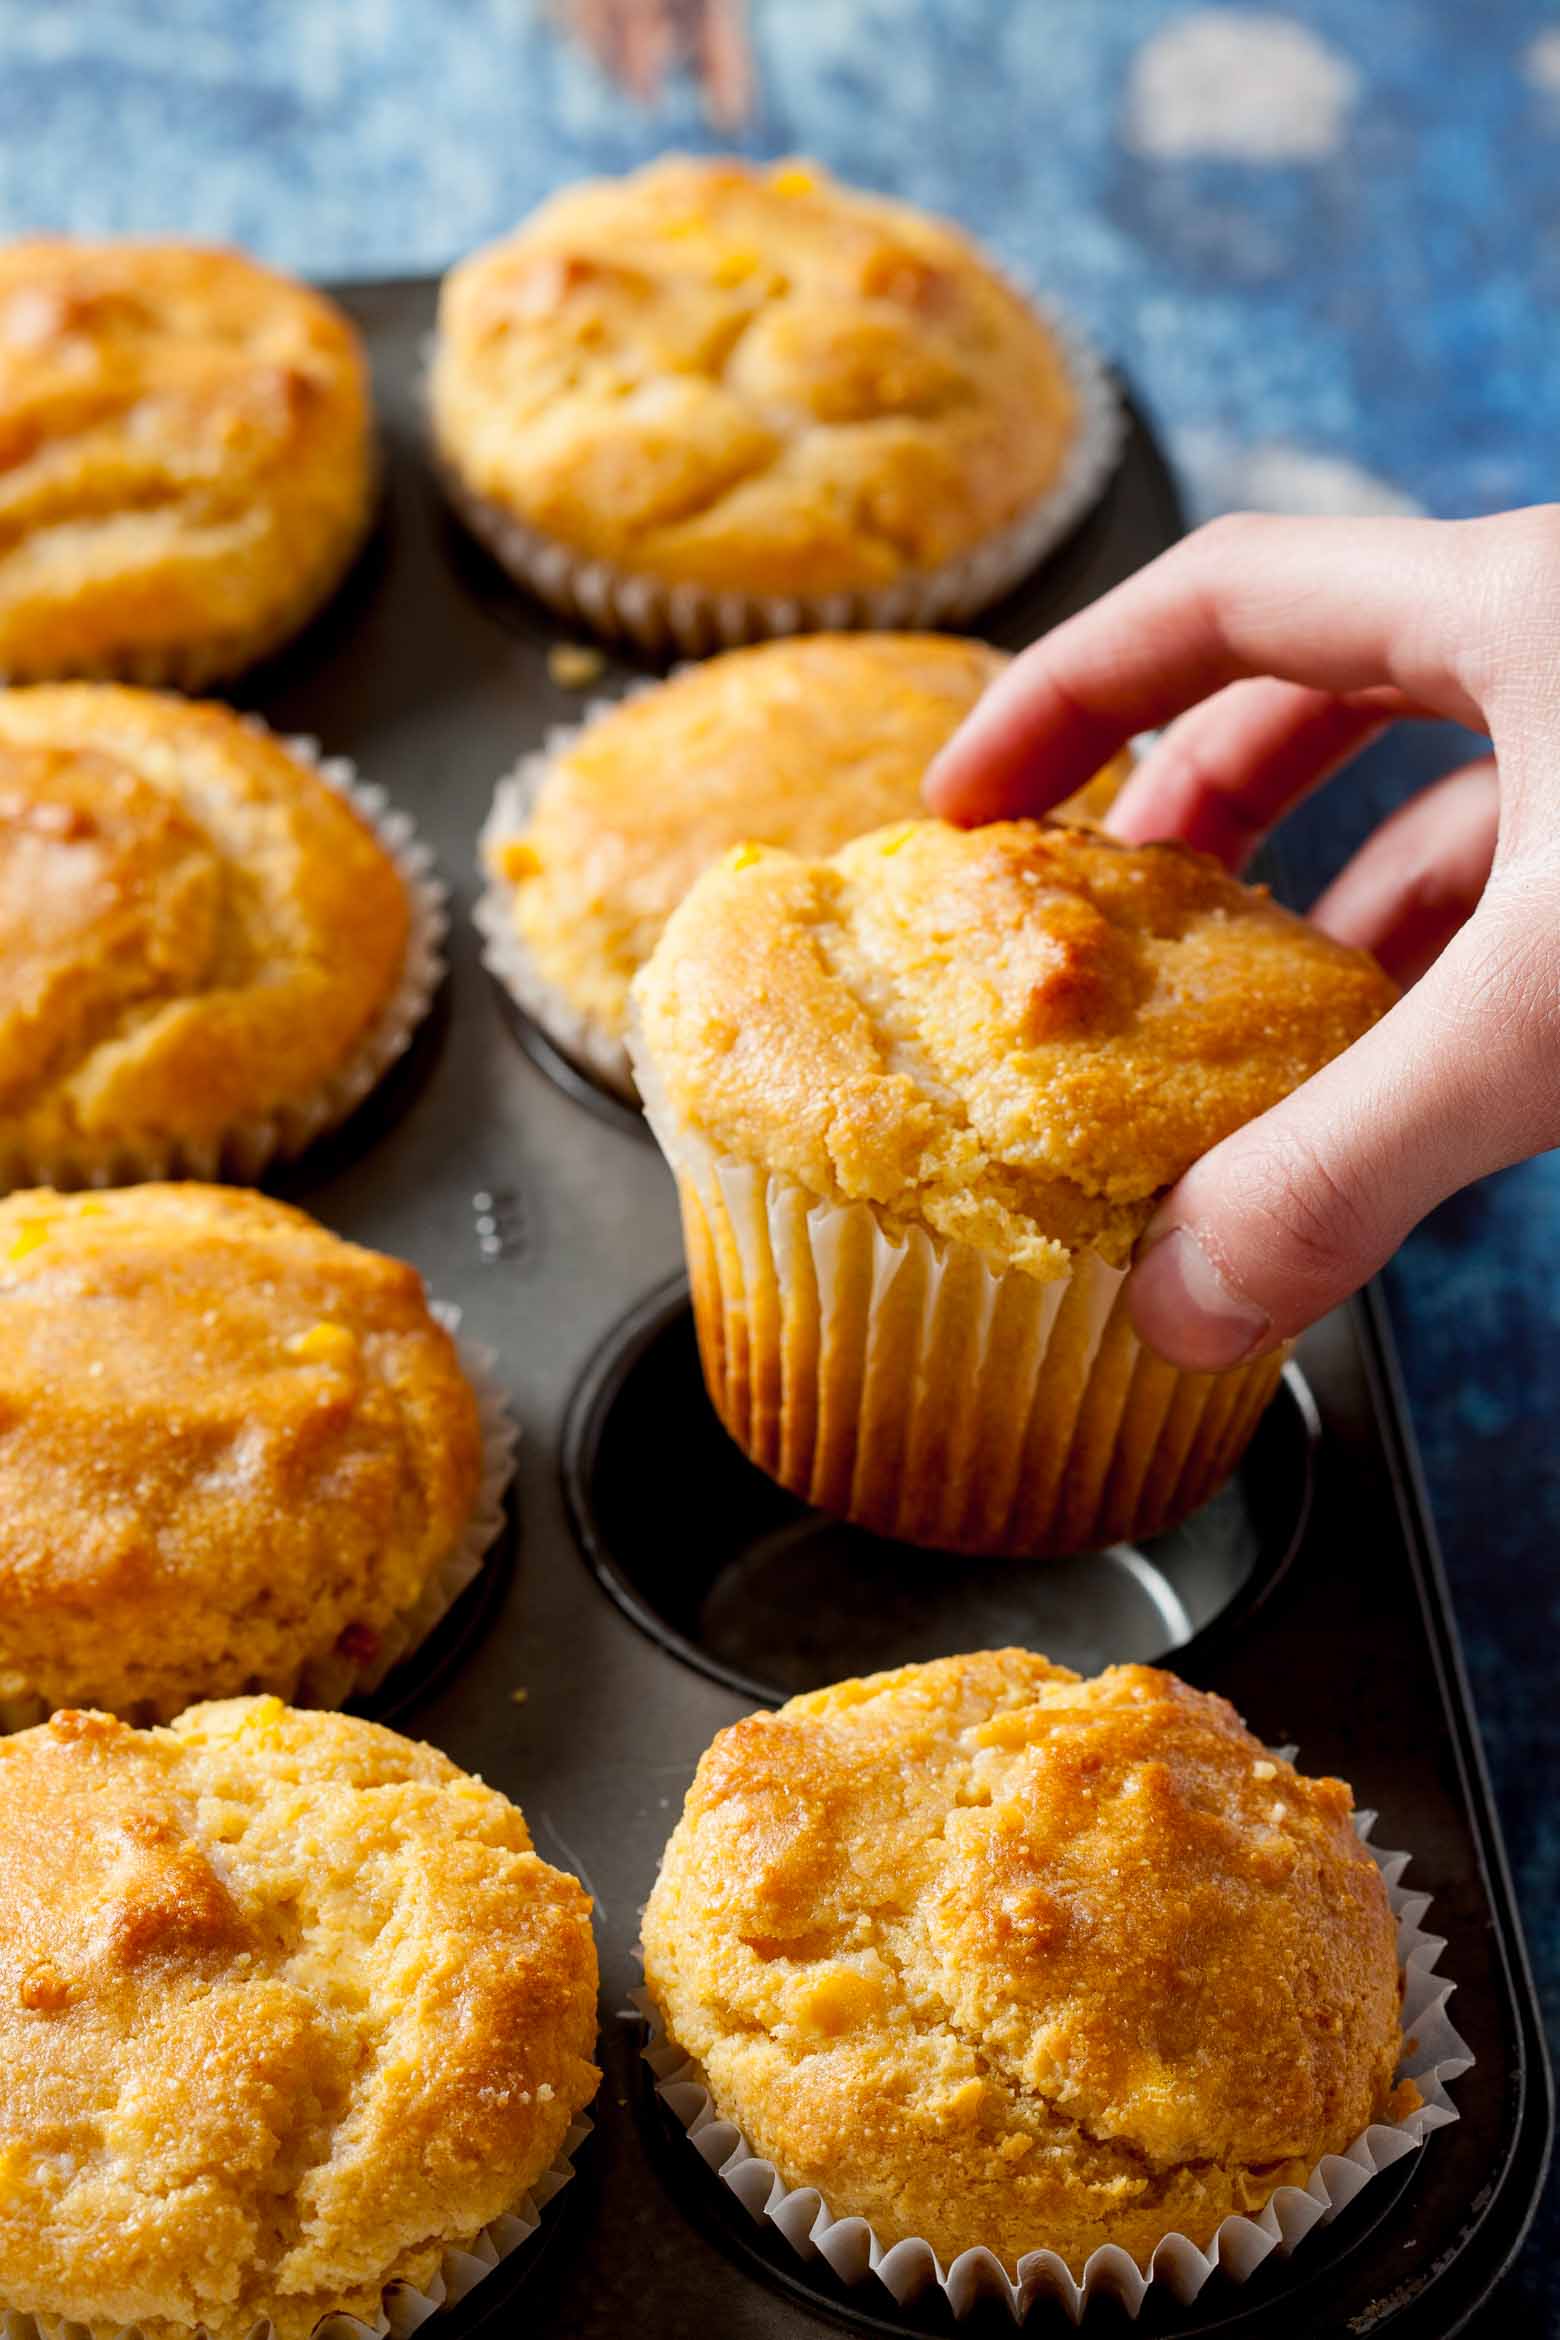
[1435, 2055]
[900, 1382]
[243, 1152]
[662, 618]
[404, 2307]
[331, 1679]
[598, 1054]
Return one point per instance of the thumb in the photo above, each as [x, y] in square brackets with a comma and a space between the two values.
[1296, 1210]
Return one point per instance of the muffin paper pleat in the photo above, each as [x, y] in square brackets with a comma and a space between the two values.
[404, 2307]
[661, 617]
[1435, 2055]
[330, 1678]
[897, 1380]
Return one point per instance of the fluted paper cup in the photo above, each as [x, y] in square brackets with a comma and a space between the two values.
[1434, 2056]
[898, 1380]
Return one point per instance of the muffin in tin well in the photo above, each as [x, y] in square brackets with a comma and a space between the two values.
[289, 2009]
[921, 1099]
[803, 744]
[749, 383]
[198, 935]
[234, 1449]
[186, 459]
[994, 1956]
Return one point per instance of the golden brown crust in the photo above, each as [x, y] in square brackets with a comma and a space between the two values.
[748, 378]
[1017, 1036]
[229, 1443]
[196, 930]
[185, 458]
[803, 744]
[996, 1956]
[287, 2003]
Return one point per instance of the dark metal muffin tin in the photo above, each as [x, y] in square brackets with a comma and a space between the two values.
[659, 1587]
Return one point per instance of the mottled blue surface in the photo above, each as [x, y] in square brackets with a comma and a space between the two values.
[1388, 301]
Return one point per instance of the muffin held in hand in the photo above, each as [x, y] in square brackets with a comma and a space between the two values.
[207, 955]
[803, 743]
[995, 1956]
[719, 399]
[236, 1453]
[921, 1099]
[186, 459]
[289, 2009]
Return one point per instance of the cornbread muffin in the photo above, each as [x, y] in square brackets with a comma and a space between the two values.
[206, 953]
[288, 2008]
[802, 743]
[235, 1451]
[186, 463]
[990, 1954]
[921, 1099]
[718, 382]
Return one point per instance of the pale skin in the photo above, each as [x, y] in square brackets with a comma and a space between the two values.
[1272, 650]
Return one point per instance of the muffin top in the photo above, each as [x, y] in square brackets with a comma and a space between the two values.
[748, 378]
[803, 743]
[1017, 1036]
[287, 2003]
[196, 929]
[185, 456]
[991, 1954]
[229, 1442]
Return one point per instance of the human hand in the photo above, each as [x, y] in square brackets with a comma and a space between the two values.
[1274, 649]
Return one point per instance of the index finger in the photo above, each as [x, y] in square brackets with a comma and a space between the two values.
[1343, 606]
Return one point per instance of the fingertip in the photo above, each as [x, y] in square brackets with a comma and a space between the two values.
[1186, 1311]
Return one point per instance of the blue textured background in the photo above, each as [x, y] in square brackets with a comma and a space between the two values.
[1370, 321]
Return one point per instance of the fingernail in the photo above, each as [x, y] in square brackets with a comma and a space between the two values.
[1183, 1308]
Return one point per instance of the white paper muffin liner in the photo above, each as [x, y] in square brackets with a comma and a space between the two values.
[331, 1678]
[404, 2307]
[893, 1378]
[242, 1152]
[661, 617]
[1435, 2056]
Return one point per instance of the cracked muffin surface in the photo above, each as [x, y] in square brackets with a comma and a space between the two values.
[196, 929]
[186, 463]
[1017, 1036]
[748, 378]
[288, 2004]
[230, 1444]
[992, 1954]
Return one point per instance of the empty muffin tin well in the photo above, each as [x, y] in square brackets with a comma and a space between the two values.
[769, 1597]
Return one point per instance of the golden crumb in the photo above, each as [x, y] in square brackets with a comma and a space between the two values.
[287, 2007]
[991, 1954]
[574, 666]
